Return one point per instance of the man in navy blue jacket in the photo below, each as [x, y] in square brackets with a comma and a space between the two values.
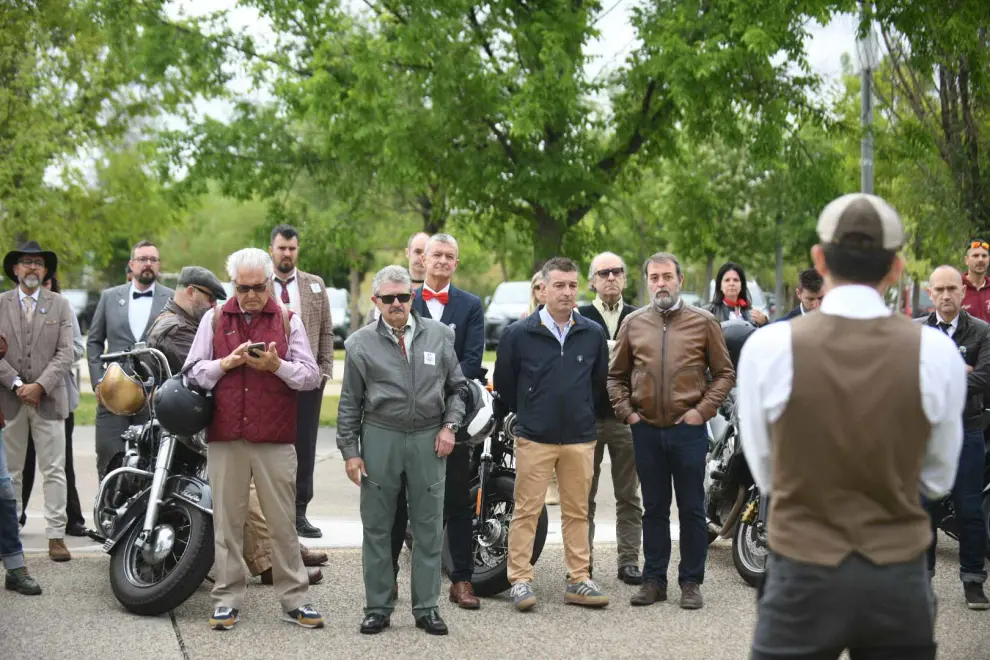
[439, 300]
[809, 294]
[551, 371]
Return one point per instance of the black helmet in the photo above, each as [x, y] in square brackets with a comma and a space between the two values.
[736, 332]
[182, 409]
[479, 415]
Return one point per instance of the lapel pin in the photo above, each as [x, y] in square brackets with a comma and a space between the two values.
[120, 301]
[453, 326]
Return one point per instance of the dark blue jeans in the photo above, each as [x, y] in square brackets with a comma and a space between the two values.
[10, 539]
[967, 498]
[664, 455]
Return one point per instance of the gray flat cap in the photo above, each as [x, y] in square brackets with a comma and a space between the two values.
[198, 276]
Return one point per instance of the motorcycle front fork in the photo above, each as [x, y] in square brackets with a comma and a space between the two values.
[484, 471]
[162, 465]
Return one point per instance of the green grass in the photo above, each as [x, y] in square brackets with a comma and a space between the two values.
[86, 412]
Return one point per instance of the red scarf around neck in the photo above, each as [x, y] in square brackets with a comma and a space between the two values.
[738, 303]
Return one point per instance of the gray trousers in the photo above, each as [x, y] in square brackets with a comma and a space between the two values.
[625, 482]
[809, 612]
[387, 456]
[109, 428]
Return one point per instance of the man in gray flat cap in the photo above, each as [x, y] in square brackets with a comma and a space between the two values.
[173, 331]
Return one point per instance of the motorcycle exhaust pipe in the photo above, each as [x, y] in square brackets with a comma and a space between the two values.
[733, 517]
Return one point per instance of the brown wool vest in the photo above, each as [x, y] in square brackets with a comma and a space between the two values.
[847, 453]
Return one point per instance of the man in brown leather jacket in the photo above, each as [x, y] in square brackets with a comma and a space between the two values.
[657, 384]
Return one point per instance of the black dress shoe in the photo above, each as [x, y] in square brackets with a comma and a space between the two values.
[432, 624]
[304, 528]
[76, 529]
[630, 575]
[374, 624]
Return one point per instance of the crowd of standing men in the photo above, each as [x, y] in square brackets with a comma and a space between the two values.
[640, 383]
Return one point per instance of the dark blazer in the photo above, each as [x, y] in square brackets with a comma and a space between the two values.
[793, 314]
[603, 407]
[464, 315]
[972, 336]
[110, 330]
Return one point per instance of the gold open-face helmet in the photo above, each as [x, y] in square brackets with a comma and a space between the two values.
[121, 393]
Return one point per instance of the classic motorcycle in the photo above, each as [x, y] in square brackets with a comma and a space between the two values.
[733, 504]
[153, 510]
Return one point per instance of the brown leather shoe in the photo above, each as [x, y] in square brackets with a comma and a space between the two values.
[57, 550]
[315, 576]
[462, 593]
[312, 557]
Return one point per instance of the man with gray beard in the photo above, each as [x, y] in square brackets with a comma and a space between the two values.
[657, 384]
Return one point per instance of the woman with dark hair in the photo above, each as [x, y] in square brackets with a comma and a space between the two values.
[77, 523]
[732, 297]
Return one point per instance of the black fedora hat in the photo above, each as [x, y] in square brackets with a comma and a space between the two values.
[29, 248]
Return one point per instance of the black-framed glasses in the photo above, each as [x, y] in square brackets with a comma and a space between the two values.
[390, 298]
[605, 272]
[146, 260]
[257, 288]
[35, 263]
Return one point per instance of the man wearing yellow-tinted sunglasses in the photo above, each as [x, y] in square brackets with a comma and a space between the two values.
[977, 298]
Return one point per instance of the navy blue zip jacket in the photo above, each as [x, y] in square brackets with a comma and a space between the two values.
[552, 388]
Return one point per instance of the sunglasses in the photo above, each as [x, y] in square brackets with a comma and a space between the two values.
[605, 272]
[209, 295]
[979, 244]
[392, 297]
[257, 288]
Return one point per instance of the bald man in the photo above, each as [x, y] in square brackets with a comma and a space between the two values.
[416, 254]
[972, 336]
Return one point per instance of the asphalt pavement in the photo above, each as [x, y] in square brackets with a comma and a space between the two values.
[77, 616]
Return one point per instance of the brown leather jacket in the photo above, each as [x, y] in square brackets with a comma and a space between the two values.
[660, 362]
[172, 333]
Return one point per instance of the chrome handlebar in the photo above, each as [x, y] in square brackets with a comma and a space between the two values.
[138, 350]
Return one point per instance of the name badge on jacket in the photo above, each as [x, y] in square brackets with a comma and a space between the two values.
[429, 358]
[314, 287]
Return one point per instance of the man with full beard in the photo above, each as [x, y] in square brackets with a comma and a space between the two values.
[306, 295]
[670, 346]
[37, 326]
[122, 318]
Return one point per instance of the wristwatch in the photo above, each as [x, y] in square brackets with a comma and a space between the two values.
[453, 427]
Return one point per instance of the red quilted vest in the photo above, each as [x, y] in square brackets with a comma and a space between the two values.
[253, 405]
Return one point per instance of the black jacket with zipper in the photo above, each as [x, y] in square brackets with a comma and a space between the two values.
[552, 389]
[972, 336]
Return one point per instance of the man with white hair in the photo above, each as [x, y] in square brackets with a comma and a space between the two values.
[400, 407]
[607, 279]
[255, 356]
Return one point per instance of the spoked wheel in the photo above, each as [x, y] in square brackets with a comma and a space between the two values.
[491, 542]
[183, 556]
[750, 552]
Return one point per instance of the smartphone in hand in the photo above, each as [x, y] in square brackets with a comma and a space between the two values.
[255, 350]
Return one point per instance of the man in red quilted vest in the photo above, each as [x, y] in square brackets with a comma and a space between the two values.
[255, 361]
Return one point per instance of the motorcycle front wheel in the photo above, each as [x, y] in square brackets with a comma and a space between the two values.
[490, 544]
[152, 589]
[749, 554]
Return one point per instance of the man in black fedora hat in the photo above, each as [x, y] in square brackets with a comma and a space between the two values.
[38, 326]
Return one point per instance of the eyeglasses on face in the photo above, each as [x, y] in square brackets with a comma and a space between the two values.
[605, 272]
[390, 298]
[979, 244]
[257, 288]
[35, 263]
[146, 260]
[209, 295]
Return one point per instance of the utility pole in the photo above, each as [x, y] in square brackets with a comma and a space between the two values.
[868, 54]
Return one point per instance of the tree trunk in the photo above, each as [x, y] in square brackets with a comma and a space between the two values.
[779, 274]
[709, 274]
[915, 296]
[548, 239]
[355, 293]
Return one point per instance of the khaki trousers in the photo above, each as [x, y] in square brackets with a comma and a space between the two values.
[535, 462]
[49, 447]
[257, 540]
[273, 466]
[625, 482]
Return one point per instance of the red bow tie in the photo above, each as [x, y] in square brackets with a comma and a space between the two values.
[429, 295]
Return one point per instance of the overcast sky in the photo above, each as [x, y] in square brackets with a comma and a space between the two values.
[825, 45]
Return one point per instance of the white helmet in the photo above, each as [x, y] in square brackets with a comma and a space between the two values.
[479, 415]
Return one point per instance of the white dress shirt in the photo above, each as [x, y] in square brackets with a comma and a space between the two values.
[952, 326]
[407, 337]
[435, 306]
[293, 290]
[766, 372]
[21, 296]
[139, 310]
